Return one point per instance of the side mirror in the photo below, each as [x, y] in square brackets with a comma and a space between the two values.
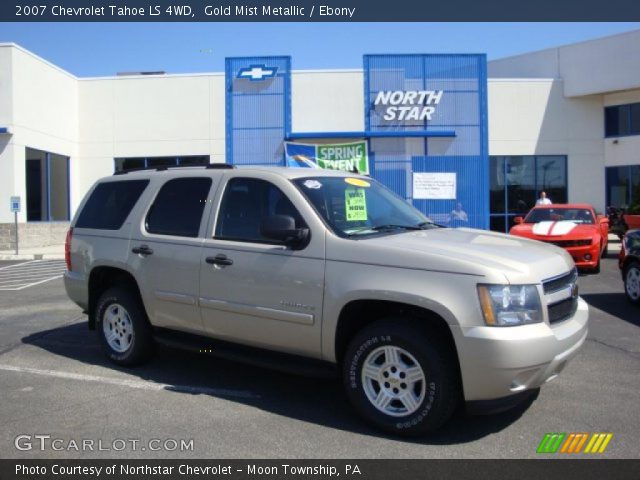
[518, 220]
[283, 229]
[603, 220]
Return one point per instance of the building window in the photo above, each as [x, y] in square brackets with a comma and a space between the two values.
[47, 184]
[623, 187]
[620, 120]
[126, 164]
[516, 183]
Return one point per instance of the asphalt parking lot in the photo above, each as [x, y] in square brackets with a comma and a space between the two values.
[55, 381]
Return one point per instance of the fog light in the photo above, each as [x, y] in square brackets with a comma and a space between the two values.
[587, 256]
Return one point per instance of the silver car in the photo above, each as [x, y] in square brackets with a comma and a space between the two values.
[332, 270]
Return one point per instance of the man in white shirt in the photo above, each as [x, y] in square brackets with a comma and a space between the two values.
[543, 200]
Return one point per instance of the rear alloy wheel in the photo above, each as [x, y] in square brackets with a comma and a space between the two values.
[632, 282]
[401, 379]
[121, 322]
[117, 328]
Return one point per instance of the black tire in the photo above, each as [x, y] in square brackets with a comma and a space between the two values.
[636, 267]
[140, 347]
[434, 355]
[596, 269]
[605, 251]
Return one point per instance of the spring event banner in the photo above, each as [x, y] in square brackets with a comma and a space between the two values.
[350, 157]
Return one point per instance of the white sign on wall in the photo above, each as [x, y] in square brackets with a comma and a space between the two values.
[434, 186]
[403, 106]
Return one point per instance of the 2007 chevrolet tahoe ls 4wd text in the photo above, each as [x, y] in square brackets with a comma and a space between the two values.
[332, 267]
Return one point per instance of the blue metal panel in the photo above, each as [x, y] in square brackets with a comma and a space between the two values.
[258, 109]
[461, 109]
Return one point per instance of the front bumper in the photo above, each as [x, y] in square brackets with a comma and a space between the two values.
[578, 255]
[498, 362]
[498, 405]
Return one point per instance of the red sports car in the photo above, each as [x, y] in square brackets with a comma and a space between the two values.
[572, 226]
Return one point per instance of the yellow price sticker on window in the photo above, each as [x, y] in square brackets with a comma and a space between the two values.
[358, 182]
[355, 204]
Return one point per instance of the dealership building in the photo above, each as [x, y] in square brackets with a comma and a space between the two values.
[443, 131]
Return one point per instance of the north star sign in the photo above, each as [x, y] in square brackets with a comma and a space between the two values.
[405, 105]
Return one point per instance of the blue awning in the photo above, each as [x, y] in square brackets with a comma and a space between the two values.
[375, 134]
[4, 131]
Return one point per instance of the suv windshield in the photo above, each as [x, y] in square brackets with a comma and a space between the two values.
[578, 215]
[353, 206]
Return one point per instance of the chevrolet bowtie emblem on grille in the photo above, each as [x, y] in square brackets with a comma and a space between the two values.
[257, 73]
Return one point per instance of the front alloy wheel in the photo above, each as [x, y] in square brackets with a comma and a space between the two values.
[393, 381]
[632, 282]
[401, 376]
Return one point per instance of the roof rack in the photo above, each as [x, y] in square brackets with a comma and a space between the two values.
[162, 168]
[219, 166]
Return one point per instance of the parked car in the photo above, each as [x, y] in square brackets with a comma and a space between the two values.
[617, 226]
[620, 221]
[629, 263]
[296, 268]
[573, 226]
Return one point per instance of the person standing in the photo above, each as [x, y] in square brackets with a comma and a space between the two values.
[458, 217]
[543, 200]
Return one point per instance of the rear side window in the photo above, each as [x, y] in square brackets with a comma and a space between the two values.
[110, 204]
[177, 210]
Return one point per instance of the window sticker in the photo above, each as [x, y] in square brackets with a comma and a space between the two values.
[358, 182]
[313, 184]
[355, 204]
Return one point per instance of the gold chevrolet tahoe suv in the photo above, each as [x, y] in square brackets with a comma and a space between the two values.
[329, 268]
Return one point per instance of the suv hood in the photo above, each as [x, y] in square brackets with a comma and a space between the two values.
[461, 250]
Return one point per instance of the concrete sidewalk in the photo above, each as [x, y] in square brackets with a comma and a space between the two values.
[50, 252]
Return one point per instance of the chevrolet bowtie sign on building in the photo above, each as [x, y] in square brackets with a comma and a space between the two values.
[257, 73]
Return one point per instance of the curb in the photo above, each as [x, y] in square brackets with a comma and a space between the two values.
[33, 256]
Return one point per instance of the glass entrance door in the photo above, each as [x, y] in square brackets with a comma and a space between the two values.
[47, 184]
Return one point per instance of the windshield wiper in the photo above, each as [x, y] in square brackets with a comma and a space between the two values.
[391, 226]
[424, 225]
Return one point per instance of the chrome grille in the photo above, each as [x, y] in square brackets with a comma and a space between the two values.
[558, 283]
[561, 294]
[569, 243]
[562, 310]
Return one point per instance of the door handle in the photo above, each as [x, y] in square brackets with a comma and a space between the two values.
[219, 260]
[142, 250]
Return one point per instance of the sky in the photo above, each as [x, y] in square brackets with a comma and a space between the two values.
[98, 49]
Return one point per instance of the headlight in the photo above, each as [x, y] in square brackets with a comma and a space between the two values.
[510, 305]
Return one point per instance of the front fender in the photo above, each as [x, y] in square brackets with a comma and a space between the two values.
[452, 296]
